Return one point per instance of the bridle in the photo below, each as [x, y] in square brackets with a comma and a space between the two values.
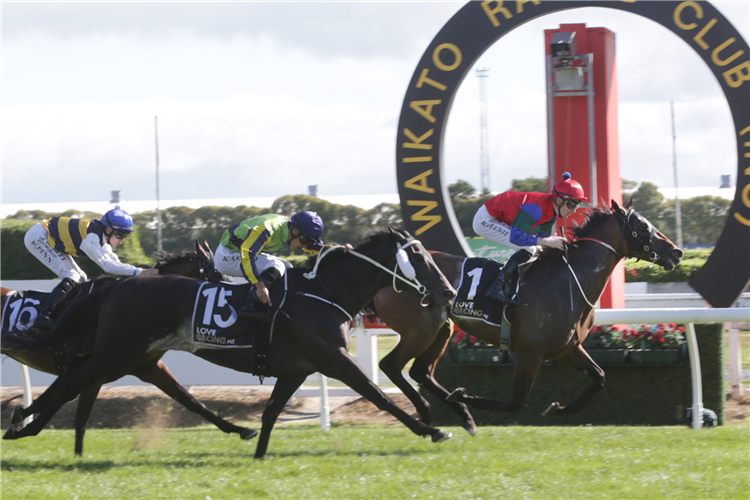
[638, 228]
[402, 262]
[207, 270]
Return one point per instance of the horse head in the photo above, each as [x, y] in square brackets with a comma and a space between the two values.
[417, 265]
[642, 240]
[197, 265]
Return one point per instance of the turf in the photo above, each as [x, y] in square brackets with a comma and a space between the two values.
[352, 462]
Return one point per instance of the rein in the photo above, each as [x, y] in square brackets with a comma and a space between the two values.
[565, 258]
[402, 262]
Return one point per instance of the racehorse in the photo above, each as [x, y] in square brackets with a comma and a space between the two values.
[555, 314]
[312, 317]
[23, 345]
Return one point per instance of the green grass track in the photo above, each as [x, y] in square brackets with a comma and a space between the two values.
[353, 462]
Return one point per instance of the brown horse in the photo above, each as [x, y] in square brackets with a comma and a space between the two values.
[309, 331]
[550, 323]
[23, 346]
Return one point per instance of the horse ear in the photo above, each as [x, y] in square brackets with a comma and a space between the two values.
[199, 249]
[207, 248]
[615, 206]
[629, 205]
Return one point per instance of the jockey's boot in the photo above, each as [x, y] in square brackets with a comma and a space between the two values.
[44, 320]
[504, 286]
[252, 308]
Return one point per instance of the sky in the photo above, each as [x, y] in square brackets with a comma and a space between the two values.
[259, 99]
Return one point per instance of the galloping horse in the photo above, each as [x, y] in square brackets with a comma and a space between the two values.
[312, 317]
[556, 312]
[24, 345]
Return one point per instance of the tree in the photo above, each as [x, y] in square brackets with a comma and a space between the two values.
[461, 190]
[703, 219]
[530, 185]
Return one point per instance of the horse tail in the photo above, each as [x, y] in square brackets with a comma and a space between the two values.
[7, 401]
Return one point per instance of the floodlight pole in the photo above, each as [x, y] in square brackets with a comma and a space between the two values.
[677, 213]
[158, 210]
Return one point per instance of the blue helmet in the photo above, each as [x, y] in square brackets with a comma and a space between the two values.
[310, 225]
[119, 219]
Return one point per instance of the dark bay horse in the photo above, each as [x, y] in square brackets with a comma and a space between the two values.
[551, 321]
[310, 328]
[23, 345]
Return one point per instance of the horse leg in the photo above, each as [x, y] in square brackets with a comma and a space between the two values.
[423, 372]
[527, 366]
[336, 362]
[20, 414]
[579, 359]
[392, 365]
[283, 390]
[83, 412]
[159, 375]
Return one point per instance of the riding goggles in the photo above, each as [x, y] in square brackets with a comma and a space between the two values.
[572, 203]
[120, 234]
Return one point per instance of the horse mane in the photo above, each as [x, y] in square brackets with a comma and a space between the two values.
[591, 222]
[370, 239]
[164, 258]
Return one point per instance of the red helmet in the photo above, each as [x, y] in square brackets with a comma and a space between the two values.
[568, 188]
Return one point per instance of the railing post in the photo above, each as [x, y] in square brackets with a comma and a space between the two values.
[27, 399]
[325, 410]
[695, 375]
[735, 364]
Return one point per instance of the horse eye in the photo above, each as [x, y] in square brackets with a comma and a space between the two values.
[643, 226]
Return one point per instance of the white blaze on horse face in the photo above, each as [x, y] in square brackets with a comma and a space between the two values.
[405, 265]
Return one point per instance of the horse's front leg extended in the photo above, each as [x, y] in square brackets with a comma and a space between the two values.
[159, 375]
[423, 372]
[336, 363]
[527, 366]
[579, 359]
[283, 390]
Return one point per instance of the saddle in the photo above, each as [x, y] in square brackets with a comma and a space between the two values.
[215, 323]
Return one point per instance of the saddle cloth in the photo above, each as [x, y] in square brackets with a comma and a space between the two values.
[477, 274]
[21, 310]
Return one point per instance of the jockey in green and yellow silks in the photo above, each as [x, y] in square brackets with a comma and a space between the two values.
[245, 249]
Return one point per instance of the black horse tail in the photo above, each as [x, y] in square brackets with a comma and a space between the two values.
[7, 401]
[78, 318]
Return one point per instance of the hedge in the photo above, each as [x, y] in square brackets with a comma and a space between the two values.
[632, 395]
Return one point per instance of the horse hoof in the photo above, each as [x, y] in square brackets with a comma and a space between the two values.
[470, 428]
[17, 416]
[246, 434]
[441, 436]
[552, 410]
[11, 432]
[456, 395]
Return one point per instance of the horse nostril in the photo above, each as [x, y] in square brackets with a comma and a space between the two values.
[449, 294]
[677, 253]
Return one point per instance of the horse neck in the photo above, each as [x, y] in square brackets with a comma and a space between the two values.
[354, 282]
[594, 279]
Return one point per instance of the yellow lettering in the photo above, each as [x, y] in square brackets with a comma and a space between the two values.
[416, 142]
[491, 13]
[745, 131]
[737, 75]
[456, 53]
[699, 37]
[429, 81]
[418, 159]
[424, 108]
[519, 4]
[715, 53]
[420, 216]
[419, 182]
[746, 202]
[678, 13]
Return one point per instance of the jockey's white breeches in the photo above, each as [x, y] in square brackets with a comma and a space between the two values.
[58, 262]
[230, 263]
[492, 229]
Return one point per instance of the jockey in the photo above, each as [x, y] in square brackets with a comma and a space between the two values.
[243, 247]
[524, 222]
[57, 240]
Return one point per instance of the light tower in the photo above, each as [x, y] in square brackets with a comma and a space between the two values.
[484, 152]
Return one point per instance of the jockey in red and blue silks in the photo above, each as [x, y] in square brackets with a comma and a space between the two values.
[524, 222]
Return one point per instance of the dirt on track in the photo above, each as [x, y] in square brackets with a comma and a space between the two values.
[119, 407]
